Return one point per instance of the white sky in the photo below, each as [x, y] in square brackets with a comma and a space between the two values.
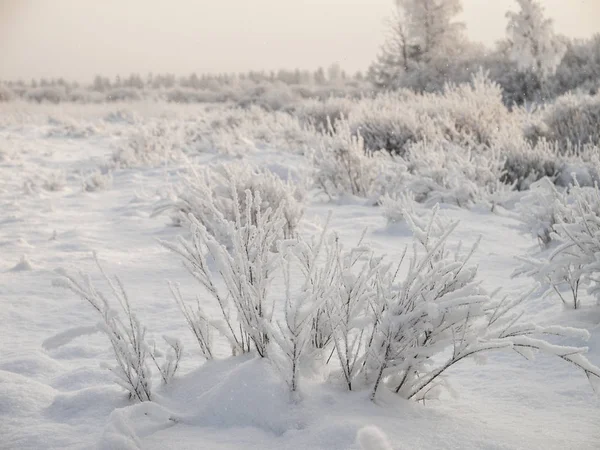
[77, 39]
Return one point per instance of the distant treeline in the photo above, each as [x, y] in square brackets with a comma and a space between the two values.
[270, 89]
[426, 49]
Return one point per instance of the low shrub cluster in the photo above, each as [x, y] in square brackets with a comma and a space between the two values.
[381, 330]
[213, 195]
[572, 120]
[152, 144]
[568, 226]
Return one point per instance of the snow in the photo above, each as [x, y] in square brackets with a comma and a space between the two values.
[23, 265]
[55, 395]
[372, 438]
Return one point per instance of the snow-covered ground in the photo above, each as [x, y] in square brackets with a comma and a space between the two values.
[59, 397]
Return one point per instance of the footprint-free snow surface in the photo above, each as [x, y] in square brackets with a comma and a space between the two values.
[55, 393]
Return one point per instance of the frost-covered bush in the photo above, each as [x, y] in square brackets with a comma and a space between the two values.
[343, 166]
[579, 238]
[152, 145]
[402, 333]
[442, 172]
[52, 181]
[271, 96]
[395, 209]
[64, 127]
[475, 111]
[433, 171]
[540, 209]
[122, 116]
[278, 130]
[385, 325]
[320, 113]
[574, 263]
[470, 114]
[573, 120]
[554, 276]
[97, 180]
[391, 121]
[525, 164]
[214, 196]
[241, 290]
[581, 169]
[132, 350]
[304, 330]
[238, 131]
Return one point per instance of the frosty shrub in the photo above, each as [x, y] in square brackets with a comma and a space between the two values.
[216, 194]
[120, 116]
[237, 131]
[402, 333]
[580, 168]
[343, 166]
[304, 329]
[433, 171]
[443, 172]
[132, 350]
[152, 145]
[320, 113]
[470, 114]
[270, 96]
[66, 127]
[474, 110]
[540, 209]
[245, 274]
[440, 305]
[197, 321]
[386, 325]
[555, 275]
[97, 180]
[395, 209]
[525, 164]
[391, 121]
[276, 130]
[574, 263]
[52, 181]
[573, 120]
[579, 239]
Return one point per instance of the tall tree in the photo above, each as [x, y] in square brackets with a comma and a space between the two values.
[431, 27]
[420, 33]
[532, 42]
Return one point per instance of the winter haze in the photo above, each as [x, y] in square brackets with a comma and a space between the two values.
[77, 39]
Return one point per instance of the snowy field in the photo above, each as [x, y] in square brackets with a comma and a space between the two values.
[64, 195]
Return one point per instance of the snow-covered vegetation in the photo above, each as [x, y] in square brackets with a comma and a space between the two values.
[215, 195]
[302, 261]
[569, 221]
[290, 295]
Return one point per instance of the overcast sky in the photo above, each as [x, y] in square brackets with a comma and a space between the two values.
[79, 38]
